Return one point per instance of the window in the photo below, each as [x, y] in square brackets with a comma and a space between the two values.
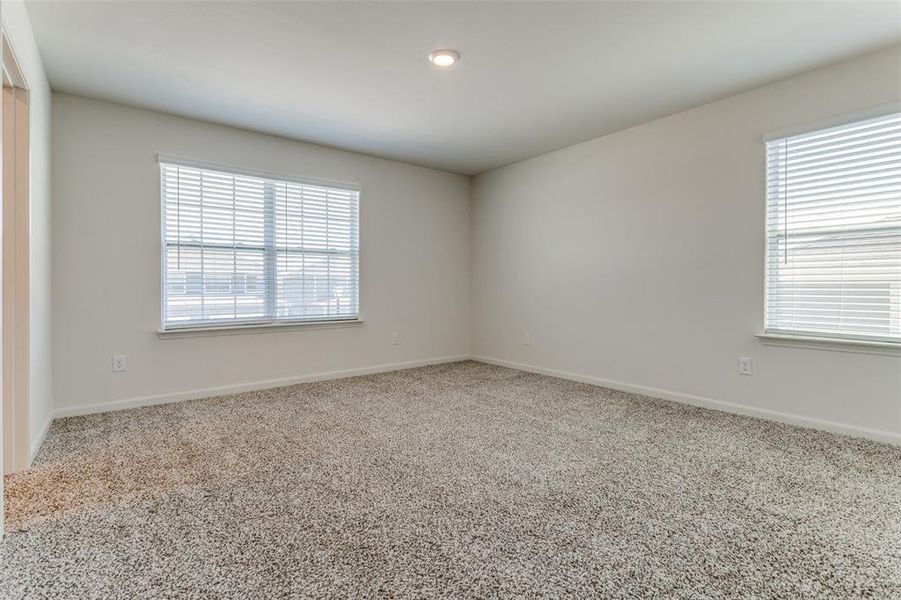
[833, 232]
[244, 249]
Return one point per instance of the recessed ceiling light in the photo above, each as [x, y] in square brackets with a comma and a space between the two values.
[444, 58]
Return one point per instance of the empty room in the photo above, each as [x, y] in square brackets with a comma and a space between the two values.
[450, 299]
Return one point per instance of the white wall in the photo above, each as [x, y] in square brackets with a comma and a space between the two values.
[40, 392]
[638, 258]
[415, 260]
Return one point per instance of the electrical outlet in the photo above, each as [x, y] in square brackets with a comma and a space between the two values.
[527, 338]
[395, 339]
[119, 363]
[745, 366]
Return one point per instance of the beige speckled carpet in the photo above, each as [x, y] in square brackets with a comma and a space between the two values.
[453, 480]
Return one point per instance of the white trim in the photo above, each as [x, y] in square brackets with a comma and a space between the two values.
[833, 344]
[351, 186]
[12, 68]
[271, 320]
[42, 435]
[254, 327]
[814, 340]
[247, 387]
[700, 401]
[871, 112]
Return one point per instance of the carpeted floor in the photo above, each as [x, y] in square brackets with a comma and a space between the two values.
[454, 480]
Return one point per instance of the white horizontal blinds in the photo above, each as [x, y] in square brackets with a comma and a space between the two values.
[834, 231]
[234, 249]
[316, 251]
[215, 255]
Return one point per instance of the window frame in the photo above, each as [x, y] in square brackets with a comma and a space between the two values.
[812, 339]
[227, 326]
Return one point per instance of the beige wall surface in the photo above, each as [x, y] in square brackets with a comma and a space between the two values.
[635, 258]
[638, 258]
[415, 261]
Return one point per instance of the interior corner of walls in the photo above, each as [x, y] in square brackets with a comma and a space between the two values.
[471, 309]
[636, 250]
[100, 147]
[39, 438]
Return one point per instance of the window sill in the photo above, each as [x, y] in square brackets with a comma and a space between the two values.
[830, 344]
[249, 328]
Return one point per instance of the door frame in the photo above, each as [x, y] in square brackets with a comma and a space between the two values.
[16, 230]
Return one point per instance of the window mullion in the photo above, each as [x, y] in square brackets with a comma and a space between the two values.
[270, 267]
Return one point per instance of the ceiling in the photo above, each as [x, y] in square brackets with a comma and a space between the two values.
[533, 77]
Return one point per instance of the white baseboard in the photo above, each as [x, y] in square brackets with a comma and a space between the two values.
[729, 407]
[136, 402]
[36, 444]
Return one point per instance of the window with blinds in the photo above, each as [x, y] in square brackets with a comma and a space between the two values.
[833, 232]
[244, 249]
